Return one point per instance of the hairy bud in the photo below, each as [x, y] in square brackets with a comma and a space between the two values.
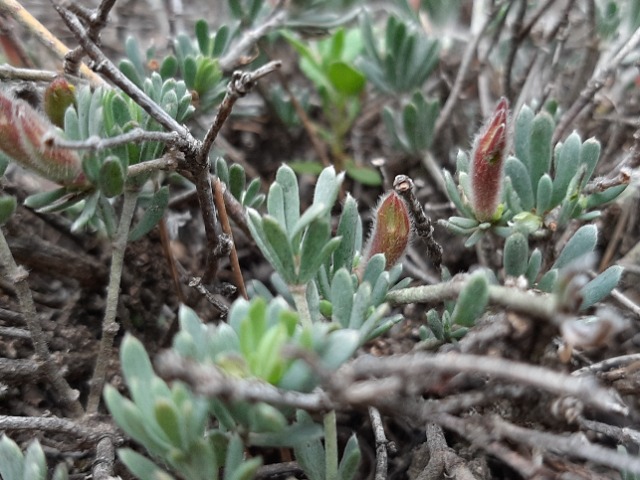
[57, 98]
[487, 161]
[391, 229]
[25, 135]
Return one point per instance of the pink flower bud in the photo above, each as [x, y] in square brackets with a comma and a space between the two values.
[487, 161]
[391, 229]
[25, 135]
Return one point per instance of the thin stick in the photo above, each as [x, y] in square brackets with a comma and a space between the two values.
[56, 424]
[540, 306]
[24, 18]
[381, 444]
[95, 143]
[110, 71]
[226, 228]
[594, 85]
[105, 458]
[18, 277]
[109, 325]
[7, 72]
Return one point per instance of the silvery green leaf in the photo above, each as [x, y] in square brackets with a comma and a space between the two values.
[472, 300]
[237, 180]
[516, 252]
[520, 181]
[548, 281]
[142, 467]
[601, 286]
[88, 212]
[7, 207]
[166, 414]
[60, 472]
[374, 269]
[533, 268]
[304, 435]
[465, 184]
[361, 303]
[327, 187]
[222, 170]
[111, 177]
[340, 347]
[347, 229]
[342, 297]
[540, 146]
[454, 195]
[11, 459]
[286, 178]
[380, 289]
[276, 204]
[543, 196]
[464, 222]
[566, 166]
[152, 215]
[350, 459]
[589, 155]
[252, 196]
[35, 464]
[582, 242]
[315, 211]
[279, 243]
[435, 324]
[599, 198]
[522, 135]
[474, 238]
[312, 250]
[462, 162]
[454, 228]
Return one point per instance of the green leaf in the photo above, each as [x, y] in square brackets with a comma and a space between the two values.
[88, 212]
[599, 198]
[316, 249]
[582, 242]
[346, 79]
[129, 71]
[340, 347]
[589, 155]
[533, 267]
[327, 187]
[170, 422]
[454, 195]
[361, 302]
[281, 247]
[435, 324]
[350, 459]
[286, 178]
[374, 269]
[566, 167]
[347, 230]
[142, 467]
[522, 135]
[111, 177]
[548, 281]
[237, 180]
[363, 174]
[169, 67]
[292, 436]
[516, 252]
[543, 196]
[7, 207]
[60, 472]
[342, 297]
[520, 181]
[11, 459]
[203, 37]
[152, 215]
[540, 147]
[601, 286]
[35, 465]
[222, 170]
[472, 300]
[310, 453]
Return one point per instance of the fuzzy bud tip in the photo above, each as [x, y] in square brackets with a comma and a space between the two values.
[391, 230]
[487, 161]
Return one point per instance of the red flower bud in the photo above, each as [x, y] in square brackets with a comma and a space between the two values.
[25, 135]
[391, 229]
[487, 160]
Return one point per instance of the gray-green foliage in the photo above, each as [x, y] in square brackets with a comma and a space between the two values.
[412, 129]
[403, 60]
[543, 190]
[171, 423]
[304, 253]
[235, 179]
[30, 465]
